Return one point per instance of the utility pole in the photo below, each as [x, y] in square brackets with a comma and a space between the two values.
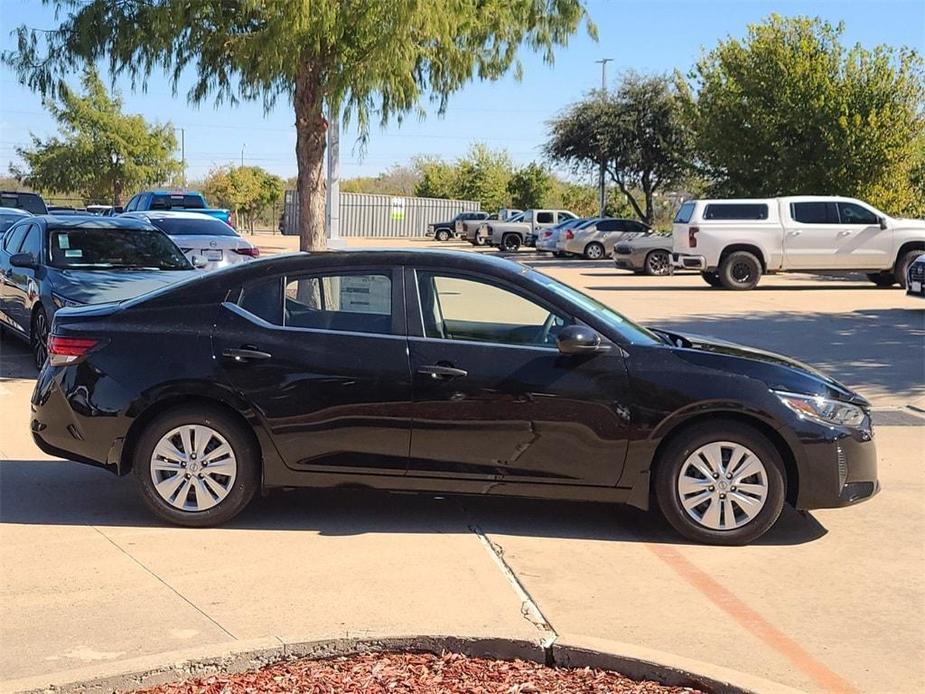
[332, 190]
[242, 154]
[183, 152]
[603, 188]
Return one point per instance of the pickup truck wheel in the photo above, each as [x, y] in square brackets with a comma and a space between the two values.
[882, 279]
[594, 251]
[711, 278]
[510, 243]
[442, 235]
[739, 270]
[480, 241]
[901, 270]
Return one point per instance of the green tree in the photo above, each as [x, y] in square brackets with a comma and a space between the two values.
[529, 187]
[355, 58]
[483, 175]
[249, 190]
[398, 180]
[100, 152]
[437, 178]
[790, 110]
[637, 132]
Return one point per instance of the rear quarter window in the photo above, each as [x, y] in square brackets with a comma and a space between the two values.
[685, 212]
[736, 211]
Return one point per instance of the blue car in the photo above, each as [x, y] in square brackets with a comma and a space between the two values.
[49, 262]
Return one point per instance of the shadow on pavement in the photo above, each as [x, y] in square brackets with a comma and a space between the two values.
[65, 493]
[15, 359]
[873, 348]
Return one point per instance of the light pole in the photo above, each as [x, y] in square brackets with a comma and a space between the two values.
[242, 154]
[603, 188]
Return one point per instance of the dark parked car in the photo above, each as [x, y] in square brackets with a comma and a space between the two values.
[444, 231]
[49, 262]
[30, 202]
[436, 371]
[915, 277]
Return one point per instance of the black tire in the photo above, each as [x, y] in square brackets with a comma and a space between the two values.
[559, 254]
[510, 243]
[595, 251]
[901, 269]
[442, 235]
[38, 337]
[711, 278]
[247, 476]
[658, 263]
[882, 279]
[739, 270]
[669, 467]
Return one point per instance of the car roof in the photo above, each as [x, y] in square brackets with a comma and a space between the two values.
[92, 221]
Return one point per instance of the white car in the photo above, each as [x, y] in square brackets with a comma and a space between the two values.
[734, 242]
[208, 242]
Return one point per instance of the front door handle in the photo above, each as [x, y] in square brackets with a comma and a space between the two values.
[438, 371]
[245, 354]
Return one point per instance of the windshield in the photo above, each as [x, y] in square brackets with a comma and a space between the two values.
[182, 226]
[632, 333]
[90, 249]
[8, 219]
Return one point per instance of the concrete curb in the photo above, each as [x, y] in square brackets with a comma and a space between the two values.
[568, 651]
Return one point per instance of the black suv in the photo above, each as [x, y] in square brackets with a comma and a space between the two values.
[30, 202]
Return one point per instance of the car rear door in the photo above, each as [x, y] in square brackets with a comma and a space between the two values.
[494, 399]
[321, 356]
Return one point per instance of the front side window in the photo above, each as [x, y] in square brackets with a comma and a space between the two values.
[458, 308]
[13, 238]
[33, 242]
[737, 211]
[344, 302]
[814, 212]
[851, 213]
[91, 248]
[545, 218]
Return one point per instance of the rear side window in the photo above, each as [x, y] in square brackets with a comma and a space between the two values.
[359, 303]
[610, 225]
[685, 212]
[814, 212]
[264, 300]
[737, 211]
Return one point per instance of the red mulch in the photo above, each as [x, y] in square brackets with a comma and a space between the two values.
[393, 673]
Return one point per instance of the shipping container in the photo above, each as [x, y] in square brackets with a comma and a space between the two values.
[382, 216]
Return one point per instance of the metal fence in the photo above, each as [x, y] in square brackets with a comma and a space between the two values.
[362, 214]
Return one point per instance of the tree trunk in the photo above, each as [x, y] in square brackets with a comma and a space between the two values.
[311, 131]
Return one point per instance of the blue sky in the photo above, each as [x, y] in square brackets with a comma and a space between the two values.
[644, 35]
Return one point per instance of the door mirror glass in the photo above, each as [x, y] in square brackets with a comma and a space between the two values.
[578, 339]
[25, 260]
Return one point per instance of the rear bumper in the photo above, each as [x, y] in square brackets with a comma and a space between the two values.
[688, 262]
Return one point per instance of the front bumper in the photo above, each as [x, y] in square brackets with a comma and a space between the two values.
[624, 261]
[688, 262]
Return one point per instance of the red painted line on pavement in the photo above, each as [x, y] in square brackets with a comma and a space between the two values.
[753, 622]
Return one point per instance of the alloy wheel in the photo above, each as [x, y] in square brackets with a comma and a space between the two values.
[193, 467]
[657, 263]
[594, 251]
[40, 338]
[722, 485]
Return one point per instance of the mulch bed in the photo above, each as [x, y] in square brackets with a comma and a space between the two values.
[393, 673]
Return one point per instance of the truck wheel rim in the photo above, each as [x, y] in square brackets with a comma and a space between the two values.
[741, 272]
[193, 467]
[722, 485]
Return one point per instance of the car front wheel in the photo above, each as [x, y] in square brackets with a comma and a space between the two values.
[442, 235]
[196, 466]
[901, 271]
[723, 485]
[658, 263]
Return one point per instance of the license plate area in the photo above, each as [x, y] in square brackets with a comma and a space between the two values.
[212, 254]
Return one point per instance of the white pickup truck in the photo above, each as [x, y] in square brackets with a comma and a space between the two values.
[734, 242]
[509, 236]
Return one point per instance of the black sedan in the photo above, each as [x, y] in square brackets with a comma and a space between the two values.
[48, 262]
[440, 372]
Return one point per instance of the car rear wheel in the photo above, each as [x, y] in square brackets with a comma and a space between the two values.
[658, 263]
[882, 279]
[442, 235]
[594, 251]
[739, 270]
[510, 243]
[901, 269]
[722, 485]
[39, 337]
[196, 466]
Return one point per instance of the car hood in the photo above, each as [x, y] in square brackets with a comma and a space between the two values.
[903, 223]
[101, 286]
[778, 371]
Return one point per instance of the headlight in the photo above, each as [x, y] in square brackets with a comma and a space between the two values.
[823, 410]
[62, 301]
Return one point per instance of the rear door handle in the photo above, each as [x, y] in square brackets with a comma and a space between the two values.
[245, 354]
[437, 371]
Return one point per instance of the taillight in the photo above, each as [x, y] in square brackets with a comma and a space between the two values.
[67, 350]
[692, 236]
[569, 234]
[252, 251]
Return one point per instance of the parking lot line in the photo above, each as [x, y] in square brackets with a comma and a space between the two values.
[751, 620]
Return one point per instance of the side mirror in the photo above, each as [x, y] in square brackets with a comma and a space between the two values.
[199, 262]
[578, 339]
[25, 260]
[882, 221]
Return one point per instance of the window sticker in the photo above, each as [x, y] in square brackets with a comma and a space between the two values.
[63, 242]
[73, 253]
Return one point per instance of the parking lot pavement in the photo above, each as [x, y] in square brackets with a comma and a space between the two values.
[828, 601]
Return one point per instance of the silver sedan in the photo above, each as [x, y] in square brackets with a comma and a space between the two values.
[649, 254]
[595, 240]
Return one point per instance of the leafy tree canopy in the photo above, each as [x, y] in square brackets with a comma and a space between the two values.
[529, 186]
[482, 174]
[100, 152]
[790, 110]
[249, 190]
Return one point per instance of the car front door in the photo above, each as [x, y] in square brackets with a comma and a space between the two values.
[812, 236]
[862, 244]
[494, 400]
[322, 358]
